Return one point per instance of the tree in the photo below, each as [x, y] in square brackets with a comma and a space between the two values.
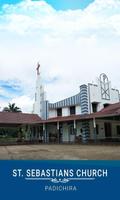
[12, 108]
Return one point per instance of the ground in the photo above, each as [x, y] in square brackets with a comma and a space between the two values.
[60, 152]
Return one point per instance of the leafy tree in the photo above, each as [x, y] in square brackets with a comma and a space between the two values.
[11, 108]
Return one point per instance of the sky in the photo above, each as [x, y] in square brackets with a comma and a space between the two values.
[74, 41]
[57, 4]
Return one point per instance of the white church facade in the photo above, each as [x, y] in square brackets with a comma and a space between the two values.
[75, 118]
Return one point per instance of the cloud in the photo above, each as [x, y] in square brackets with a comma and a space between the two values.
[73, 46]
[24, 102]
[10, 88]
[11, 91]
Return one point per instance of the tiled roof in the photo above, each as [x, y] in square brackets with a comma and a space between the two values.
[69, 118]
[25, 118]
[18, 118]
[111, 110]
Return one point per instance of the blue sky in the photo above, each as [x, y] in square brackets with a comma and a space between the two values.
[58, 4]
[9, 89]
[74, 41]
[69, 4]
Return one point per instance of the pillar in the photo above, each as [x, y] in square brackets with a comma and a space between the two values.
[84, 110]
[94, 128]
[44, 134]
[85, 131]
[74, 130]
[58, 129]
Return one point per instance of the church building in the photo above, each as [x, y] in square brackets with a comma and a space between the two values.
[69, 118]
[92, 115]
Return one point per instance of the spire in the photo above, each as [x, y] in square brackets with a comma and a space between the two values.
[38, 68]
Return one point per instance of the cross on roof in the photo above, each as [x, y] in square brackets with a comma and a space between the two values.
[38, 68]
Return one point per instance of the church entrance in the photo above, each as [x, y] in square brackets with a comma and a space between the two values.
[108, 131]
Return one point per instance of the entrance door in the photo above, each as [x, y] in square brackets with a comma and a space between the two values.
[108, 132]
[71, 134]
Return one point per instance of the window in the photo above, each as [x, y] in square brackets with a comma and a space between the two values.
[34, 131]
[97, 129]
[59, 112]
[108, 129]
[94, 107]
[72, 110]
[81, 130]
[118, 130]
[71, 130]
[106, 105]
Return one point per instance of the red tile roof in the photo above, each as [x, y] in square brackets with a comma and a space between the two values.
[69, 118]
[111, 110]
[18, 118]
[25, 118]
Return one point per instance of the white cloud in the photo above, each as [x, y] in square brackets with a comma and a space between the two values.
[74, 46]
[24, 102]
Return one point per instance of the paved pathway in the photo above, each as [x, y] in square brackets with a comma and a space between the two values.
[60, 152]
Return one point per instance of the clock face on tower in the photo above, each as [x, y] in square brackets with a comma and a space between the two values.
[105, 89]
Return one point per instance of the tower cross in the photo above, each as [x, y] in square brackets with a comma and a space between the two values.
[38, 68]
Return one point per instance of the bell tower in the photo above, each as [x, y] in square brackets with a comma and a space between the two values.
[38, 107]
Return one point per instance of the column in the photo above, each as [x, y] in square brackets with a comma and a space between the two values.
[74, 130]
[44, 134]
[58, 130]
[85, 131]
[94, 127]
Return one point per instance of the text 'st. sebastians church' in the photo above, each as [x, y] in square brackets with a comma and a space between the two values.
[94, 108]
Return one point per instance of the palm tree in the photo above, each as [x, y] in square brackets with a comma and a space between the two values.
[12, 108]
